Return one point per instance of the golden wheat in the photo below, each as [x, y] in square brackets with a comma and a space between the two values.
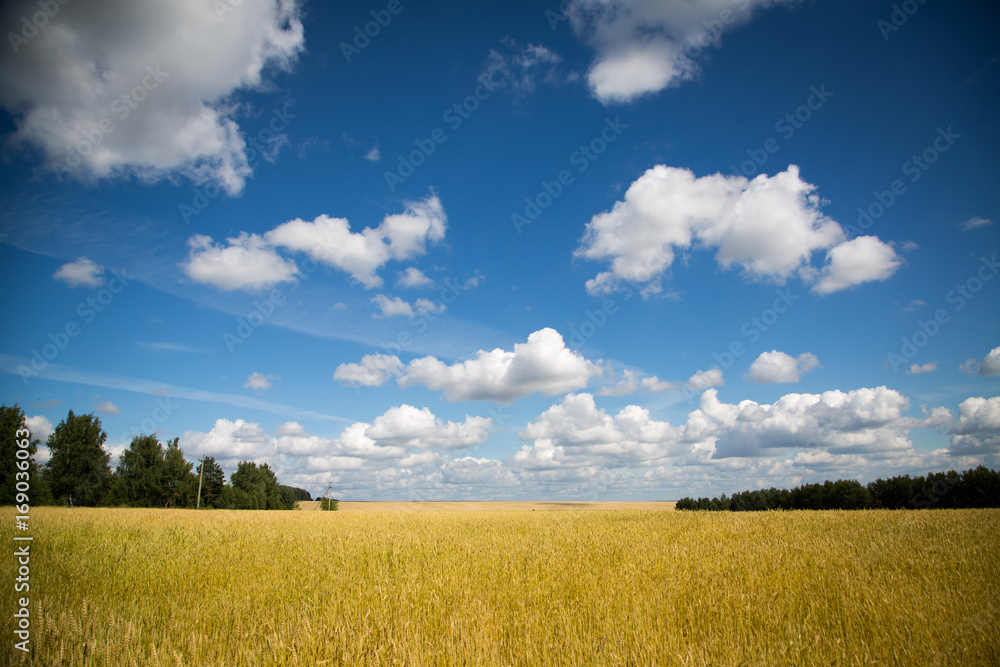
[617, 587]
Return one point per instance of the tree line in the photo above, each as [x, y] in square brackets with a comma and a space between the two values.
[976, 487]
[148, 474]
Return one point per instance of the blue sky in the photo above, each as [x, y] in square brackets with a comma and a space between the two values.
[596, 250]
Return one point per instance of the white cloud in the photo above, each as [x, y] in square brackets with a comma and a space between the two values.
[991, 364]
[117, 88]
[769, 227]
[643, 47]
[409, 427]
[576, 433]
[774, 367]
[978, 428]
[428, 307]
[107, 408]
[863, 421]
[373, 371]
[40, 427]
[360, 254]
[81, 272]
[392, 307]
[373, 155]
[246, 262]
[401, 436]
[230, 441]
[631, 382]
[857, 261]
[705, 379]
[396, 307]
[975, 223]
[988, 366]
[258, 381]
[290, 428]
[520, 69]
[914, 306]
[541, 365]
[917, 369]
[412, 277]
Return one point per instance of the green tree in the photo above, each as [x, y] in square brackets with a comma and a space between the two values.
[79, 470]
[180, 484]
[14, 469]
[140, 479]
[259, 483]
[213, 482]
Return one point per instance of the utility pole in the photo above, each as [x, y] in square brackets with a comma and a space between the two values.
[201, 472]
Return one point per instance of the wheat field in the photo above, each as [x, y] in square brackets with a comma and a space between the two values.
[510, 587]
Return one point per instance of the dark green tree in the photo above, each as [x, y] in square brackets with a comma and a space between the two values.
[79, 470]
[181, 485]
[140, 479]
[213, 482]
[16, 468]
[256, 487]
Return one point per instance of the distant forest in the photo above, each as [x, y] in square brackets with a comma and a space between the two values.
[148, 474]
[976, 487]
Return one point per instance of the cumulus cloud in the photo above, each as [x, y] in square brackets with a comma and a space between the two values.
[230, 440]
[245, 262]
[119, 88]
[40, 427]
[861, 260]
[977, 430]
[918, 369]
[258, 381]
[81, 272]
[373, 370]
[705, 379]
[410, 427]
[631, 383]
[769, 227]
[392, 439]
[863, 421]
[576, 433]
[395, 307]
[290, 428]
[774, 367]
[107, 408]
[642, 47]
[543, 365]
[412, 277]
[399, 236]
[991, 364]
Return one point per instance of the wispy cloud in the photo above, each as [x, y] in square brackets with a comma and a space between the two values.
[61, 373]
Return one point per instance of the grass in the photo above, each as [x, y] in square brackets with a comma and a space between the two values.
[508, 587]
